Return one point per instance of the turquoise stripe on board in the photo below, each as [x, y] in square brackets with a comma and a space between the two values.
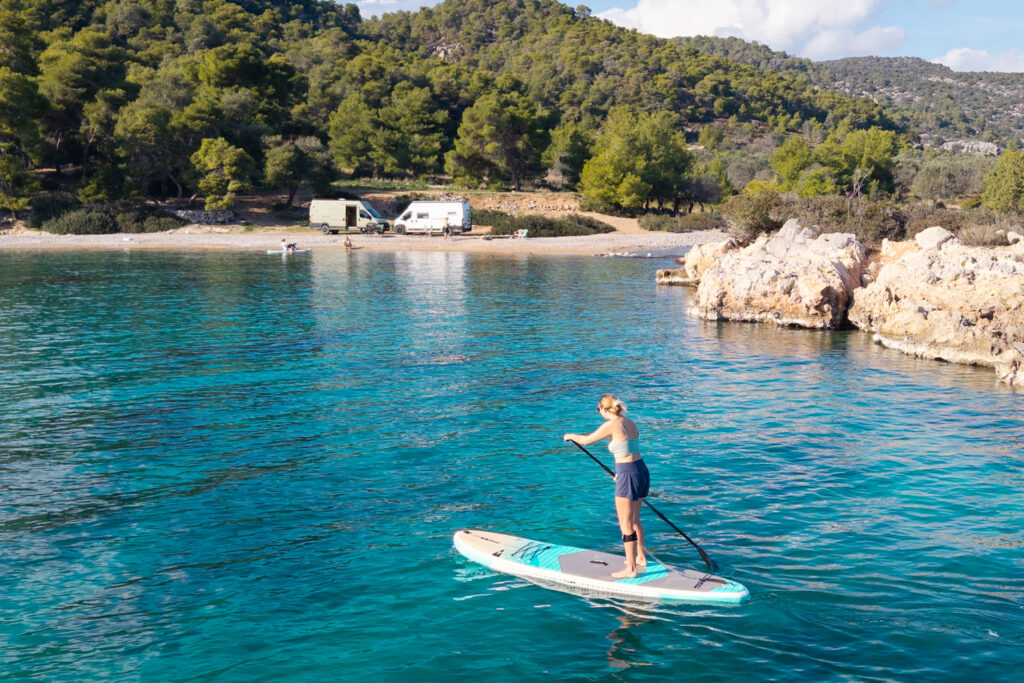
[730, 587]
[549, 558]
[544, 559]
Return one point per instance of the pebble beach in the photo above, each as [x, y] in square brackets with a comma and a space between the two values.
[196, 237]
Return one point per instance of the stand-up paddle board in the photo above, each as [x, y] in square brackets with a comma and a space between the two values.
[293, 251]
[592, 570]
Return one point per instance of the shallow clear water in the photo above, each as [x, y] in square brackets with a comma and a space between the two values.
[236, 467]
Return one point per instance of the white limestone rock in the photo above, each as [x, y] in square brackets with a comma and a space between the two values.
[697, 260]
[795, 277]
[955, 303]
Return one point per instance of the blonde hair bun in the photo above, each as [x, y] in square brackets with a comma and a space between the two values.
[612, 405]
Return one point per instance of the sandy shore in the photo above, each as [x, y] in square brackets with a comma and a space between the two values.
[638, 244]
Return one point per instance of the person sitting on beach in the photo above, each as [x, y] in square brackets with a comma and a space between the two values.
[632, 479]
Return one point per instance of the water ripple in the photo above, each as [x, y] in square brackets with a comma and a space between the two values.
[221, 466]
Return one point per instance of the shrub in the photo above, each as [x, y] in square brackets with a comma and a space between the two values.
[924, 215]
[869, 220]
[120, 217]
[687, 222]
[489, 217]
[829, 212]
[138, 218]
[751, 214]
[47, 206]
[991, 234]
[972, 202]
[975, 227]
[657, 221]
[545, 226]
[83, 222]
[873, 221]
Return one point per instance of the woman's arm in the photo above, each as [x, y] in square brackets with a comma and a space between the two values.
[602, 432]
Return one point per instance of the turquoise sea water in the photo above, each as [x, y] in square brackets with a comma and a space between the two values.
[233, 467]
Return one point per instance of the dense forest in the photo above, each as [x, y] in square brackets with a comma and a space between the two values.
[170, 98]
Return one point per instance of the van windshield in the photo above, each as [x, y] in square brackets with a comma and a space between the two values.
[370, 209]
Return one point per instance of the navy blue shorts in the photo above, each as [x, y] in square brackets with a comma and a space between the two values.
[632, 480]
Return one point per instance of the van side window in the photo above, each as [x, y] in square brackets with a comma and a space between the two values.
[363, 214]
[405, 216]
[423, 215]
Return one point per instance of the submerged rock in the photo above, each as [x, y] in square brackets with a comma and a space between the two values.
[936, 298]
[794, 277]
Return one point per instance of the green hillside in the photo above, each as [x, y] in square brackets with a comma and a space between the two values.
[934, 100]
[926, 98]
[121, 95]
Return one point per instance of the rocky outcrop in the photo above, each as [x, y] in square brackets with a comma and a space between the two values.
[936, 298]
[972, 147]
[697, 260]
[794, 277]
[205, 217]
[933, 237]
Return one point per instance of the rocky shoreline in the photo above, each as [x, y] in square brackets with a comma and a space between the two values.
[931, 296]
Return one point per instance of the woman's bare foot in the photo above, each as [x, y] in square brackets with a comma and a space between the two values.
[641, 567]
[641, 559]
[626, 573]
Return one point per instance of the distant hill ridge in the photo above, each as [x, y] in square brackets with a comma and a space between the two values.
[942, 105]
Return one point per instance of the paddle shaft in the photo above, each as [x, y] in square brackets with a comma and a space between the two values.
[703, 555]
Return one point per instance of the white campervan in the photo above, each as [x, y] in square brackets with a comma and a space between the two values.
[429, 217]
[332, 215]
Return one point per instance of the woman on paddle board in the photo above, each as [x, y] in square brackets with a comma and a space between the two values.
[632, 480]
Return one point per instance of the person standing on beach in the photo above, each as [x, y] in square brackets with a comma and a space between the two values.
[447, 229]
[348, 243]
[632, 479]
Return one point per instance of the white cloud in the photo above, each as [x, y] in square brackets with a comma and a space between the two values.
[819, 30]
[843, 42]
[967, 59]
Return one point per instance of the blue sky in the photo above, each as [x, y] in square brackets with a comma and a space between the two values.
[966, 35]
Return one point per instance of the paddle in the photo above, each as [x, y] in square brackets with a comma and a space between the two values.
[704, 556]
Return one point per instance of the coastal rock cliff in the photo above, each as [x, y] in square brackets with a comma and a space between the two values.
[794, 277]
[697, 260]
[936, 298]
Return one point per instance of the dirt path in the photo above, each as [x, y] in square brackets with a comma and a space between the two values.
[627, 226]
